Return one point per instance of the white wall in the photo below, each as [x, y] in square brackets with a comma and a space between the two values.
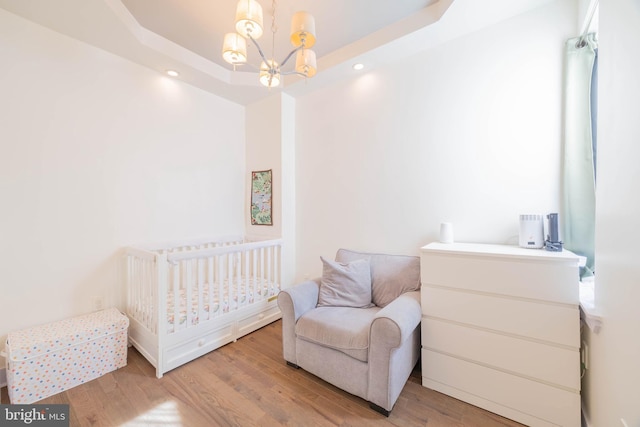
[467, 132]
[264, 140]
[98, 153]
[270, 144]
[611, 385]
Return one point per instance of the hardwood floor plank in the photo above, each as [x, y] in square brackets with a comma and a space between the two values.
[249, 376]
[304, 386]
[248, 383]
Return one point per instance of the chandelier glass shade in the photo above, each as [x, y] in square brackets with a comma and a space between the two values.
[249, 26]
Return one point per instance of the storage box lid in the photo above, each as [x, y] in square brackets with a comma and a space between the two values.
[38, 340]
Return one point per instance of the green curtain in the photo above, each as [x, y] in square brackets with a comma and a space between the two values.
[579, 183]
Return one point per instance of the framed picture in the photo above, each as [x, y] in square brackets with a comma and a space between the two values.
[261, 196]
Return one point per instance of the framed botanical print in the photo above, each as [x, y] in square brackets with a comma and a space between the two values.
[261, 197]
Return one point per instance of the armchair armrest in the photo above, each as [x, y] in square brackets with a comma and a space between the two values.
[293, 303]
[394, 349]
[300, 298]
[395, 323]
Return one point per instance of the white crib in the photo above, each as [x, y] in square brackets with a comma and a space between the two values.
[184, 300]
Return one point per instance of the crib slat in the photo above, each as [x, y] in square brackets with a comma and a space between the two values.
[158, 282]
[176, 300]
[145, 315]
[140, 276]
[237, 277]
[267, 288]
[234, 287]
[210, 282]
[131, 285]
[278, 277]
[254, 276]
[188, 277]
[200, 289]
[262, 283]
[248, 275]
[148, 293]
[219, 281]
[233, 299]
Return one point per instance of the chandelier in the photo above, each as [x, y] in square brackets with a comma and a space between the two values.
[249, 26]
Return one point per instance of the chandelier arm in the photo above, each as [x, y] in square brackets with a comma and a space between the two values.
[291, 54]
[260, 51]
[289, 73]
[246, 64]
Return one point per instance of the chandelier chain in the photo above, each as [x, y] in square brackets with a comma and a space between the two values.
[274, 29]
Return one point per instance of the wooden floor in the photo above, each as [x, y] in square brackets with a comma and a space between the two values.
[247, 383]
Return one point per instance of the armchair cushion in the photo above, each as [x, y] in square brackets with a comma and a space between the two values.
[391, 275]
[345, 329]
[345, 284]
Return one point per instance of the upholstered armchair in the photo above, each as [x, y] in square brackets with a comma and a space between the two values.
[357, 327]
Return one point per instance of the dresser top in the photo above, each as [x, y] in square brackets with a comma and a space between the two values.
[507, 251]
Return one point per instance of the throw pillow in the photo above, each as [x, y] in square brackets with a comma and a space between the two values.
[391, 275]
[345, 284]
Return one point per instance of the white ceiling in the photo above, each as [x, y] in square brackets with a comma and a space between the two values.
[186, 35]
[200, 25]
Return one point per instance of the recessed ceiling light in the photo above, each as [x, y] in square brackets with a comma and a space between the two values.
[358, 66]
[173, 73]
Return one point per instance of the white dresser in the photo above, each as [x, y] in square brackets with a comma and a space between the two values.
[501, 330]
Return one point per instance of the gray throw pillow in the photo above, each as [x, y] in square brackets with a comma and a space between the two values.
[345, 284]
[391, 275]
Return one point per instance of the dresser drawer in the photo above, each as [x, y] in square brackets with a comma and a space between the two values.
[521, 399]
[507, 353]
[537, 278]
[555, 323]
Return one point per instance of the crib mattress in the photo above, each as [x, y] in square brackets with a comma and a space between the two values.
[215, 305]
[48, 359]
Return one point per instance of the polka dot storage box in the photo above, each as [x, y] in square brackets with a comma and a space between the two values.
[48, 359]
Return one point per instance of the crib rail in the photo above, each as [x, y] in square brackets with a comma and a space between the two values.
[191, 244]
[234, 247]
